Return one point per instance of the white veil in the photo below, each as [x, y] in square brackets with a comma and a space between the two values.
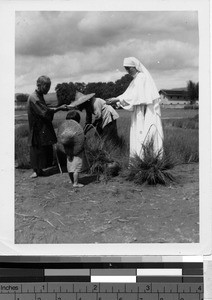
[149, 90]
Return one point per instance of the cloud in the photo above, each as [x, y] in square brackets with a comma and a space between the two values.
[171, 54]
[171, 79]
[47, 33]
[83, 46]
[43, 34]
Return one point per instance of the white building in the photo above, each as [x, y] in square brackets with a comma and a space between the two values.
[174, 97]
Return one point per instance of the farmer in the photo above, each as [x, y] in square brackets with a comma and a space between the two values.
[41, 132]
[142, 99]
[105, 115]
[76, 163]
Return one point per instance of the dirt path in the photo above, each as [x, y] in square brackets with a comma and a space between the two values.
[49, 210]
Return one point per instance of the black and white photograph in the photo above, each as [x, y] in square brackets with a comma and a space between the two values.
[107, 141]
[133, 129]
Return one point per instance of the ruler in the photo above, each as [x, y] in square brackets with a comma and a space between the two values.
[101, 291]
[101, 281]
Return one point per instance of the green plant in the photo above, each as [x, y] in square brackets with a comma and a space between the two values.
[65, 92]
[22, 153]
[97, 155]
[182, 145]
[21, 98]
[186, 123]
[191, 106]
[151, 168]
[21, 131]
[103, 157]
[21, 146]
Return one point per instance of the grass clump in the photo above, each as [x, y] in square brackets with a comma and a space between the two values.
[22, 158]
[22, 131]
[98, 158]
[191, 123]
[151, 168]
[102, 156]
[182, 145]
[191, 106]
[185, 123]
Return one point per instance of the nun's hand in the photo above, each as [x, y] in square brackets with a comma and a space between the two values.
[124, 103]
[112, 101]
[63, 107]
[70, 107]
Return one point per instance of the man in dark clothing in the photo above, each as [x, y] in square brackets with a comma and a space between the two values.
[42, 135]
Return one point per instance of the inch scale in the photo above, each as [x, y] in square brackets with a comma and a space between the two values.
[101, 291]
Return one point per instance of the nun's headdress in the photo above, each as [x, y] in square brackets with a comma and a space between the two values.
[150, 92]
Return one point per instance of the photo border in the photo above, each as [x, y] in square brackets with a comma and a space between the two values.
[89, 251]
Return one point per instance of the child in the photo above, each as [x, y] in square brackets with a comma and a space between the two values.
[75, 163]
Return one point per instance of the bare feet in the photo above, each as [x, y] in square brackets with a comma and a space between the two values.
[37, 173]
[78, 185]
[34, 175]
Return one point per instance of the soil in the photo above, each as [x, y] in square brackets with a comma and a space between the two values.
[49, 210]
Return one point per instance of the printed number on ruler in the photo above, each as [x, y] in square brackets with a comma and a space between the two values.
[101, 291]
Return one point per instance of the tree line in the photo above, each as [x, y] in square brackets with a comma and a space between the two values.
[66, 91]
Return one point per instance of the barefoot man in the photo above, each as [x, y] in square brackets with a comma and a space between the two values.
[42, 135]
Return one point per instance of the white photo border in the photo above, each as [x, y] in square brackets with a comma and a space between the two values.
[7, 59]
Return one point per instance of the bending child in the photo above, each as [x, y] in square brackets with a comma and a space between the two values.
[75, 163]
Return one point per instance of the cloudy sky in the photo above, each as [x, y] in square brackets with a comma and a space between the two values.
[90, 46]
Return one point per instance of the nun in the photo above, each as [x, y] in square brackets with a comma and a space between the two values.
[142, 99]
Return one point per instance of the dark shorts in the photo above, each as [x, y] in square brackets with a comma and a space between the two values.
[110, 133]
[41, 157]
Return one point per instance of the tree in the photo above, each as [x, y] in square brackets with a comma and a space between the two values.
[21, 98]
[97, 88]
[197, 90]
[65, 93]
[192, 91]
[122, 84]
[80, 86]
[109, 90]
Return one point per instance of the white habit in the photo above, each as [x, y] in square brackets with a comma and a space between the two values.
[142, 99]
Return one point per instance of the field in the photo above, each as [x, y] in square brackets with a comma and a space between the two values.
[166, 113]
[49, 210]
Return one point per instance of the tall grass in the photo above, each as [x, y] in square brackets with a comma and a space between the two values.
[181, 145]
[104, 156]
[152, 168]
[187, 123]
[191, 106]
[21, 146]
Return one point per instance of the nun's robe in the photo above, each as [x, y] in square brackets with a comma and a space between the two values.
[145, 116]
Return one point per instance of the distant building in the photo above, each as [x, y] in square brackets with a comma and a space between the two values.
[175, 96]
